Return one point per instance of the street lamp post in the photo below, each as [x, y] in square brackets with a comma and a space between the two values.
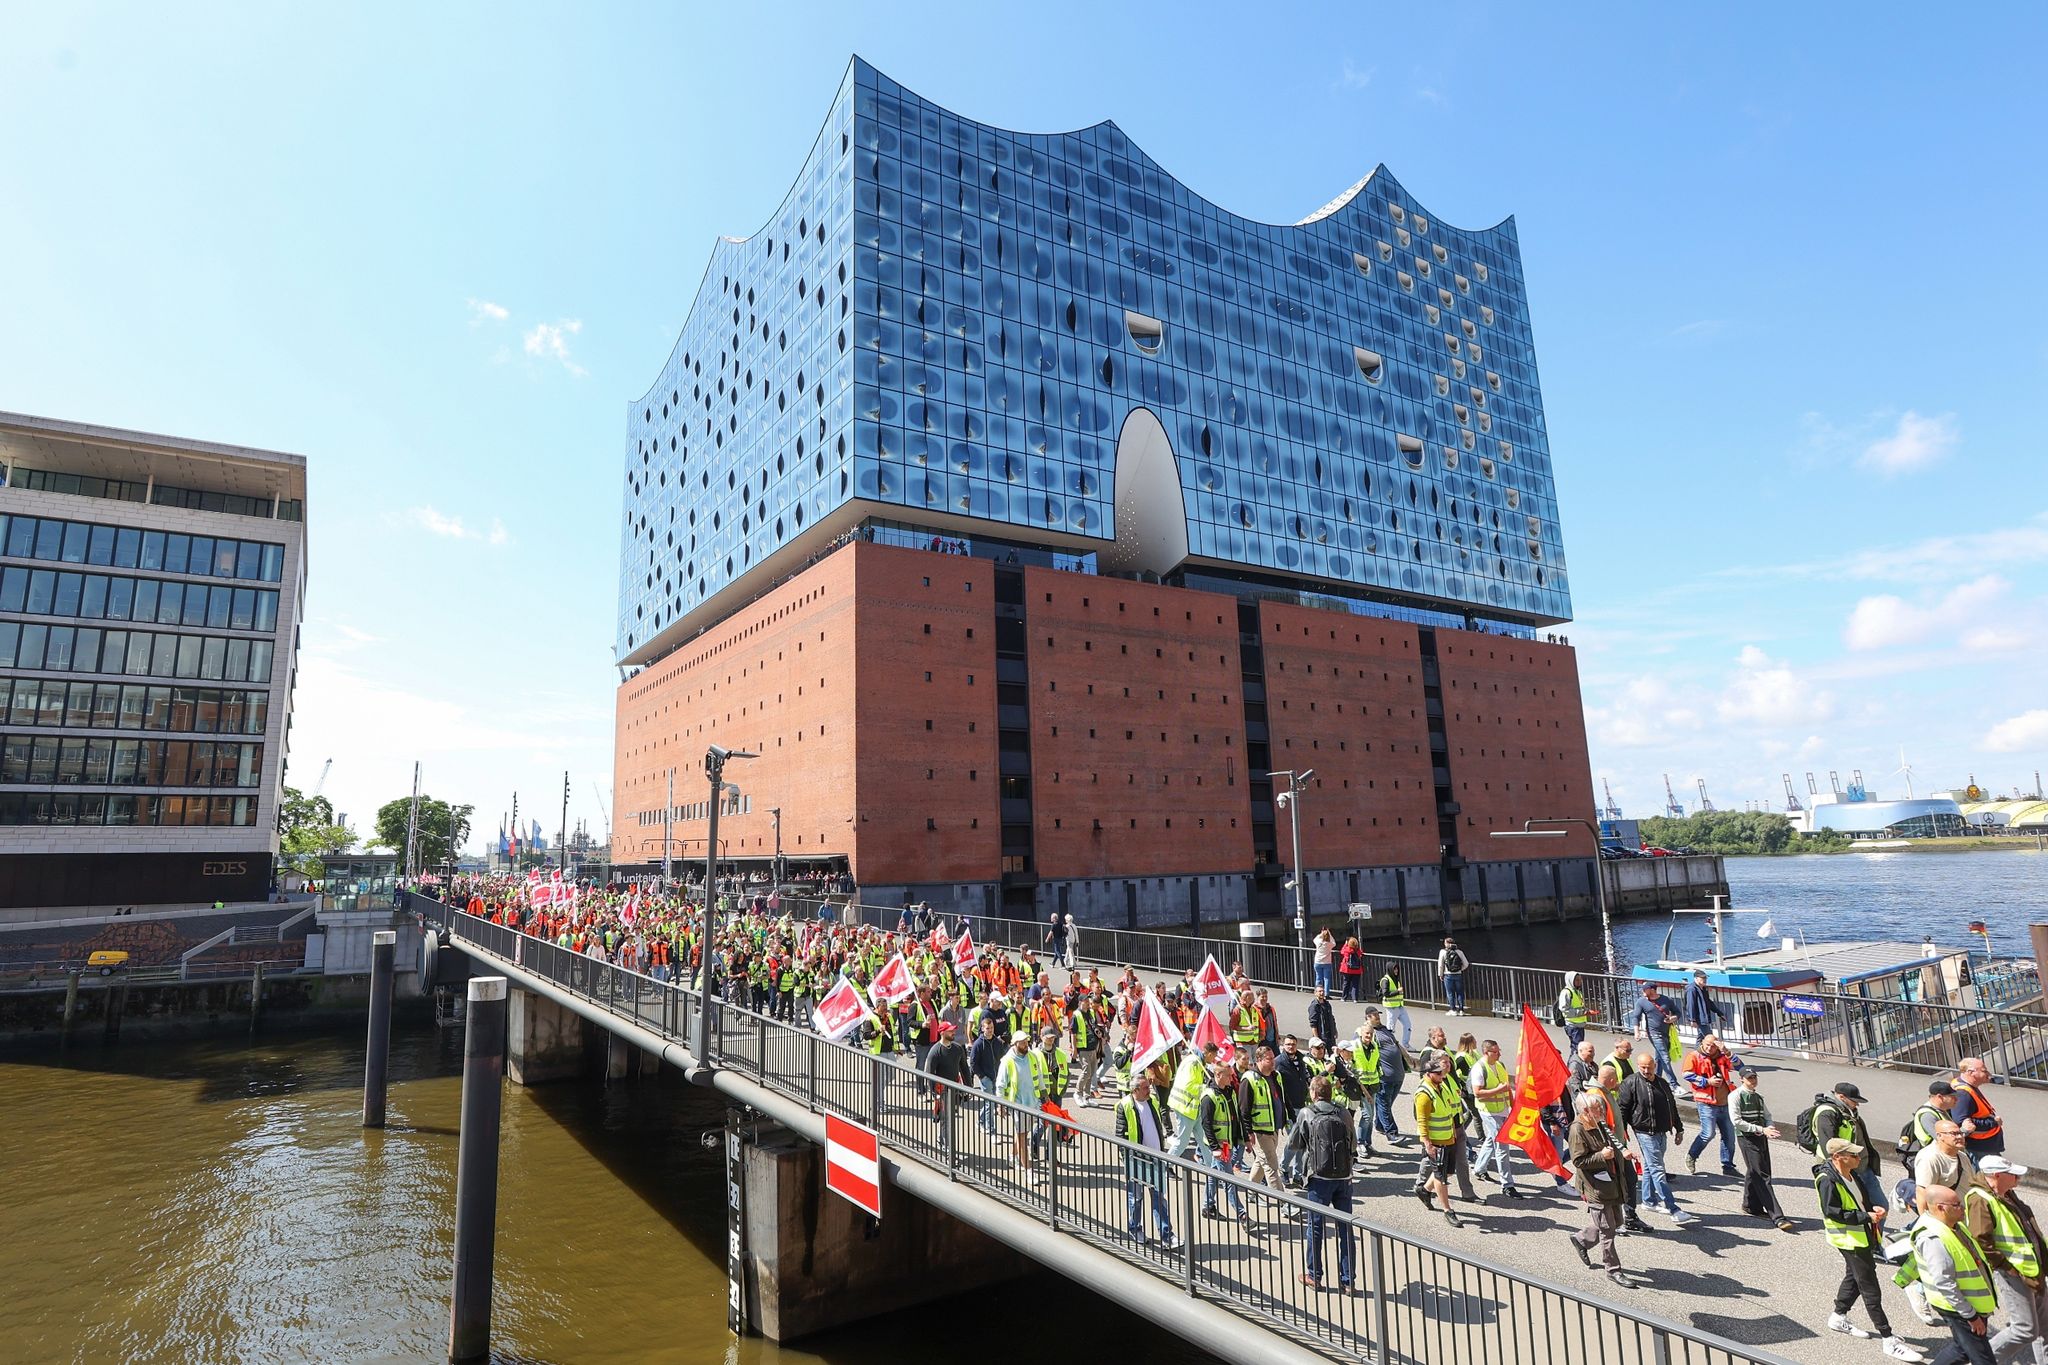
[1527, 831]
[714, 768]
[775, 812]
[1297, 783]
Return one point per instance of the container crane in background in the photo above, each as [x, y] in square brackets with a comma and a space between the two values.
[1792, 806]
[1705, 804]
[321, 785]
[1812, 787]
[1671, 806]
[601, 805]
[1857, 791]
[1835, 783]
[1611, 811]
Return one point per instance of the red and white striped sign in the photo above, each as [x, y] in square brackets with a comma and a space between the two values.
[853, 1164]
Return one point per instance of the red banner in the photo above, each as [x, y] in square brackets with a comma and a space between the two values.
[1540, 1077]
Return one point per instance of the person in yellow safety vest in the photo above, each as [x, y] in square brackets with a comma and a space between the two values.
[1016, 1083]
[1493, 1090]
[1221, 1130]
[1185, 1100]
[2006, 1229]
[1264, 1110]
[1049, 1075]
[1085, 1023]
[1141, 1119]
[1571, 1010]
[1852, 1213]
[1394, 1000]
[1437, 1111]
[1363, 1054]
[1246, 1023]
[1954, 1271]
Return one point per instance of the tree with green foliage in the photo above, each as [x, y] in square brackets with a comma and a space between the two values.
[1738, 832]
[308, 833]
[442, 828]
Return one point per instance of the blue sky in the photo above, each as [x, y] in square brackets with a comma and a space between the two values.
[1785, 271]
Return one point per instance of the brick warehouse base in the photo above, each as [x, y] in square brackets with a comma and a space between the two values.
[1016, 740]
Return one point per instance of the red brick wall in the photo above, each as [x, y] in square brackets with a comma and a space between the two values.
[1133, 662]
[1517, 734]
[777, 678]
[926, 668]
[1344, 696]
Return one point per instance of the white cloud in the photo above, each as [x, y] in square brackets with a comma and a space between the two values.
[1351, 78]
[550, 341]
[1704, 327]
[1917, 561]
[1916, 443]
[437, 523]
[1769, 693]
[1643, 712]
[1883, 620]
[483, 310]
[2028, 730]
[1994, 640]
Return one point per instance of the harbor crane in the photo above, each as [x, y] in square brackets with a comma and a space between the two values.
[1612, 811]
[1792, 806]
[1671, 806]
[606, 808]
[319, 786]
[1835, 782]
[1705, 804]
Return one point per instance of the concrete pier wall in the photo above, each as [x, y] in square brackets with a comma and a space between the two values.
[544, 1041]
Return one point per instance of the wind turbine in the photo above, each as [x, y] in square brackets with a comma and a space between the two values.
[1906, 769]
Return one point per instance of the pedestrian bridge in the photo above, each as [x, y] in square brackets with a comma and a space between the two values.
[1225, 1289]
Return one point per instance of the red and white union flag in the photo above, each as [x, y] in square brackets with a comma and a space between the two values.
[1212, 988]
[1209, 1029]
[1156, 1032]
[840, 1012]
[964, 956]
[893, 982]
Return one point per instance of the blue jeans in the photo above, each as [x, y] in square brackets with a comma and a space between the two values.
[1335, 1194]
[1656, 1186]
[1325, 972]
[988, 1111]
[1383, 1107]
[1134, 1209]
[1495, 1152]
[1454, 990]
[1366, 1111]
[1574, 1034]
[1210, 1157]
[1714, 1119]
[1662, 1045]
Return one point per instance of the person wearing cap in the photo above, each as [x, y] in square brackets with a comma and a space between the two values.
[1840, 1115]
[1438, 1112]
[1753, 1133]
[1852, 1211]
[1953, 1272]
[1942, 1162]
[947, 1061]
[1919, 1130]
[2011, 1238]
[1016, 1084]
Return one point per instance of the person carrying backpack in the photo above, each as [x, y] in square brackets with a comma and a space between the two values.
[1322, 1137]
[1918, 1133]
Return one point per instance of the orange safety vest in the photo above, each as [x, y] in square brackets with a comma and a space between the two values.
[1984, 1111]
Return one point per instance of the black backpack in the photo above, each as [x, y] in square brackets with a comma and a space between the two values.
[1803, 1131]
[1329, 1144]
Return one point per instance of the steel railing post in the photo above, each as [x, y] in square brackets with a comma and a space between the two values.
[1052, 1175]
[1376, 1254]
[876, 1063]
[1187, 1226]
[950, 1138]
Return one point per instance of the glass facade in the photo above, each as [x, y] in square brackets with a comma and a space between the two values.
[955, 321]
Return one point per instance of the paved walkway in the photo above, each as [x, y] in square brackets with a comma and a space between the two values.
[1726, 1273]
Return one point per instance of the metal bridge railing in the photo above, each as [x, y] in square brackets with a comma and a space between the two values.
[1413, 1300]
[1909, 1035]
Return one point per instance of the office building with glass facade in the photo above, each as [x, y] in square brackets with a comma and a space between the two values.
[150, 592]
[1045, 363]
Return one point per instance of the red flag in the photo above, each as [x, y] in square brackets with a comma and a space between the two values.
[893, 982]
[840, 1012]
[1540, 1077]
[1209, 1029]
[964, 956]
[1212, 990]
[1155, 1033]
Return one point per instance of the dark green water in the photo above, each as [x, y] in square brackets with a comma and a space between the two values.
[217, 1201]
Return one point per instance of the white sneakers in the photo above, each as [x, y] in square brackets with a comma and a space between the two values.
[1899, 1350]
[1681, 1217]
[1838, 1323]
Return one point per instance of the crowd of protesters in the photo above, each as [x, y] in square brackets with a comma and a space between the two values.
[1299, 1111]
